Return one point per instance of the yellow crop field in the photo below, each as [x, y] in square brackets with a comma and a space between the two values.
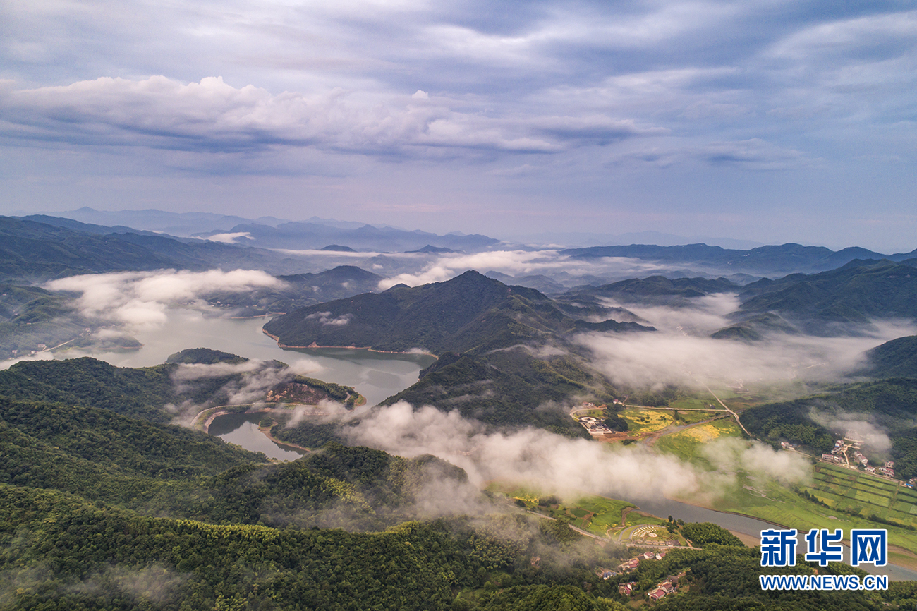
[646, 420]
[703, 433]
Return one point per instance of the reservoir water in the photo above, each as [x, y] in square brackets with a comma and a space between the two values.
[375, 375]
[242, 430]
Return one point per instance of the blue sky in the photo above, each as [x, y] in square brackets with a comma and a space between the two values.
[771, 121]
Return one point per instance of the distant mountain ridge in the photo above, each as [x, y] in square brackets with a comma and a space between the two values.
[36, 251]
[657, 290]
[827, 302]
[308, 236]
[768, 260]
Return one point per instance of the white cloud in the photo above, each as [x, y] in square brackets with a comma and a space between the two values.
[657, 359]
[560, 465]
[212, 115]
[142, 298]
[228, 238]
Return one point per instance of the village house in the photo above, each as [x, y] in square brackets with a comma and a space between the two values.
[656, 593]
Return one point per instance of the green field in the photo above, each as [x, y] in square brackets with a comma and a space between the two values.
[685, 417]
[646, 420]
[861, 494]
[694, 402]
[598, 513]
[686, 444]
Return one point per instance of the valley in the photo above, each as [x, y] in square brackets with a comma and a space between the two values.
[517, 444]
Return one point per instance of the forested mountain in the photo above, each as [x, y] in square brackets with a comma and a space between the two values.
[895, 358]
[657, 290]
[469, 312]
[32, 318]
[837, 301]
[503, 350]
[152, 393]
[35, 251]
[104, 511]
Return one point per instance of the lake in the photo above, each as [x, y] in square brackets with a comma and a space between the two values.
[375, 375]
[242, 430]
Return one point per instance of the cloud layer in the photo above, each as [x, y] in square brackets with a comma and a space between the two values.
[683, 353]
[766, 120]
[559, 465]
[142, 298]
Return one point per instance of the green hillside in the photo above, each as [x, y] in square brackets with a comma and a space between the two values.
[152, 393]
[659, 290]
[504, 351]
[896, 358]
[889, 404]
[837, 301]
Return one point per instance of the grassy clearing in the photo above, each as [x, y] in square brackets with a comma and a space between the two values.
[647, 420]
[635, 519]
[787, 507]
[598, 513]
[693, 403]
[686, 444]
[694, 417]
[595, 514]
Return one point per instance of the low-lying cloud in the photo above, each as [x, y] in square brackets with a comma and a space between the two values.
[683, 353]
[856, 426]
[143, 298]
[247, 384]
[515, 262]
[560, 465]
[327, 320]
[653, 360]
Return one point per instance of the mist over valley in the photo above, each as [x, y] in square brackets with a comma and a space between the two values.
[472, 391]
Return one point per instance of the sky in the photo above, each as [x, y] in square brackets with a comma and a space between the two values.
[767, 120]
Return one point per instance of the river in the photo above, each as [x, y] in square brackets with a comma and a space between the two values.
[664, 508]
[375, 375]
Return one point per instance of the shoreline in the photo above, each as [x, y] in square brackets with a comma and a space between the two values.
[367, 348]
[272, 411]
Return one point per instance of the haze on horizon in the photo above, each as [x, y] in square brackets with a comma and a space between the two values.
[765, 121]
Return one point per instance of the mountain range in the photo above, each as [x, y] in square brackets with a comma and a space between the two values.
[764, 260]
[503, 350]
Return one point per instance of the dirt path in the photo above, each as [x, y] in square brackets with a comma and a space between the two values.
[624, 513]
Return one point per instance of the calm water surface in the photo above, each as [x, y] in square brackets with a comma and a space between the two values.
[242, 430]
[750, 526]
[375, 375]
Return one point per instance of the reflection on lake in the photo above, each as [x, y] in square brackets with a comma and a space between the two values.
[375, 375]
[242, 430]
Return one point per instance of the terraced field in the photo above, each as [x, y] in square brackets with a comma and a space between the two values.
[862, 494]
